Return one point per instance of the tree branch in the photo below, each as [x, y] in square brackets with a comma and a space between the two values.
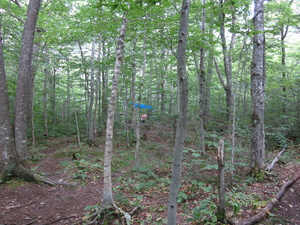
[256, 218]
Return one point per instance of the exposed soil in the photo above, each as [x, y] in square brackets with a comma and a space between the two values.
[25, 203]
[30, 203]
[288, 211]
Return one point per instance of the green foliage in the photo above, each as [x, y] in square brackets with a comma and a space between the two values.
[276, 139]
[238, 199]
[36, 154]
[182, 197]
[119, 197]
[201, 185]
[14, 182]
[205, 212]
[126, 156]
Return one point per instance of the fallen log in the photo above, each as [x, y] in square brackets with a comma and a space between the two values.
[256, 218]
[270, 167]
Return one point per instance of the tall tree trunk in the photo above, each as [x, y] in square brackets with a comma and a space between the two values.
[258, 78]
[8, 155]
[141, 86]
[108, 201]
[227, 58]
[86, 86]
[53, 98]
[22, 100]
[98, 83]
[105, 54]
[132, 92]
[208, 79]
[164, 57]
[69, 83]
[283, 33]
[13, 149]
[182, 83]
[45, 92]
[91, 122]
[201, 79]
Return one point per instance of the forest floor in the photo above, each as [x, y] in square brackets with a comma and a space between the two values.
[145, 188]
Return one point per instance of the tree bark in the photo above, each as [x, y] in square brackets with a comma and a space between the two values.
[108, 201]
[258, 91]
[45, 92]
[182, 84]
[137, 114]
[132, 92]
[91, 122]
[22, 99]
[201, 78]
[13, 149]
[227, 59]
[8, 155]
[104, 77]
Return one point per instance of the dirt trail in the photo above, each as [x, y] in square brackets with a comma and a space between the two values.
[287, 211]
[25, 203]
[31, 203]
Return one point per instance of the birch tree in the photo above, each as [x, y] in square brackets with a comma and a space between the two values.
[108, 201]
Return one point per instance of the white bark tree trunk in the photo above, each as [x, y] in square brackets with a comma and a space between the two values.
[108, 201]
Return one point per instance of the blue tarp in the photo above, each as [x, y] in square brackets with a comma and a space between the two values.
[142, 106]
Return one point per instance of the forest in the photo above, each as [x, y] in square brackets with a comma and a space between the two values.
[149, 112]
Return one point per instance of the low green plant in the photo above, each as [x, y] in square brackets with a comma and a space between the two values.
[182, 197]
[204, 212]
[36, 153]
[119, 197]
[236, 200]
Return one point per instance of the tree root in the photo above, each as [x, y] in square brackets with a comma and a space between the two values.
[28, 175]
[256, 218]
[103, 213]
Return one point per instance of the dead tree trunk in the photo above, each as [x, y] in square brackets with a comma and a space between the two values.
[270, 167]
[221, 213]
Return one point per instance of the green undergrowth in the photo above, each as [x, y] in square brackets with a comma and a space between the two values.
[144, 184]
